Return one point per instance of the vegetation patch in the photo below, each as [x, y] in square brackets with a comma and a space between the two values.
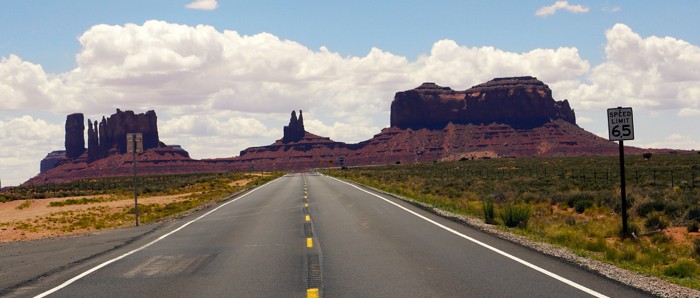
[115, 209]
[572, 202]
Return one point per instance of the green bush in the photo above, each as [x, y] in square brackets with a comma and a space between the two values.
[693, 213]
[655, 222]
[489, 214]
[681, 269]
[582, 205]
[645, 208]
[515, 216]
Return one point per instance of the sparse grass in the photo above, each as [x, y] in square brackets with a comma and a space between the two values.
[24, 205]
[574, 202]
[203, 189]
[81, 201]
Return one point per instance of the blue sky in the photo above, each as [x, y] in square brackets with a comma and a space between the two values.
[246, 64]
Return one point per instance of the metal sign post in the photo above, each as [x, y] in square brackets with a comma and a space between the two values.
[134, 144]
[621, 128]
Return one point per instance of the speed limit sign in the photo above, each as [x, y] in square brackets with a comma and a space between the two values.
[620, 124]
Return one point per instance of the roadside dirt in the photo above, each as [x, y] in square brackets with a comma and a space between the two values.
[15, 216]
[12, 215]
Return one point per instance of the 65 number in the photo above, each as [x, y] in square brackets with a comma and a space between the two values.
[621, 130]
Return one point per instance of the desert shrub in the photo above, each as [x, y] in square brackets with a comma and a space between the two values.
[582, 205]
[659, 238]
[489, 214]
[529, 197]
[696, 246]
[647, 155]
[681, 269]
[580, 197]
[647, 207]
[596, 246]
[655, 222]
[498, 197]
[693, 213]
[693, 226]
[515, 216]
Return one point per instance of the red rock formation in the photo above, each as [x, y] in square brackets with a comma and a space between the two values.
[294, 132]
[75, 135]
[521, 102]
[109, 136]
[510, 117]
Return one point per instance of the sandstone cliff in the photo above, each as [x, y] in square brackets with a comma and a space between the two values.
[109, 136]
[520, 102]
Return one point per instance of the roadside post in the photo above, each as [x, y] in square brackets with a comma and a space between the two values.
[621, 128]
[134, 144]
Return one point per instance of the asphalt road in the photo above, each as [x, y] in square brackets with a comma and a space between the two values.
[310, 231]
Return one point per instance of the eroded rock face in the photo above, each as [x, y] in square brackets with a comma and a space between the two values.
[294, 132]
[75, 135]
[521, 102]
[109, 136]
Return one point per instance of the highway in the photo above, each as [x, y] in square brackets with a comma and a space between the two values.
[304, 233]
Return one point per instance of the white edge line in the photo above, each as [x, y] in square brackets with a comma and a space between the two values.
[496, 250]
[98, 267]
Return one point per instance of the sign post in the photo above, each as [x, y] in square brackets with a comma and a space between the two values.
[621, 128]
[134, 144]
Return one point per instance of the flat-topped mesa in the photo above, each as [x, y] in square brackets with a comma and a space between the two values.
[521, 102]
[294, 132]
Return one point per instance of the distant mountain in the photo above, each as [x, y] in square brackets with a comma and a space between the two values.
[505, 117]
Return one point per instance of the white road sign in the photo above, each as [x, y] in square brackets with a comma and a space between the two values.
[620, 124]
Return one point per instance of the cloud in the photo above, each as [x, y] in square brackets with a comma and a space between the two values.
[676, 141]
[611, 9]
[689, 112]
[203, 5]
[25, 141]
[653, 72]
[560, 5]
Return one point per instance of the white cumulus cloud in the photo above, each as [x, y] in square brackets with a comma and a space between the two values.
[654, 72]
[25, 141]
[203, 5]
[560, 5]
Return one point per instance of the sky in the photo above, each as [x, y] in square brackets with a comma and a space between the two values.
[225, 75]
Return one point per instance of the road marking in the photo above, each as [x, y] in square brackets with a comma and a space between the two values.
[307, 218]
[496, 250]
[306, 204]
[312, 293]
[309, 242]
[100, 266]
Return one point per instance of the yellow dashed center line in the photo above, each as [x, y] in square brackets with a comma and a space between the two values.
[308, 218]
[312, 293]
[309, 242]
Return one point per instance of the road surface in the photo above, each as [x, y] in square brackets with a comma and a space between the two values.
[304, 232]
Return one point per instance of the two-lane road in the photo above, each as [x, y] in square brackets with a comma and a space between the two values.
[369, 245]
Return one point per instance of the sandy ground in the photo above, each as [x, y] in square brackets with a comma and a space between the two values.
[11, 216]
[14, 214]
